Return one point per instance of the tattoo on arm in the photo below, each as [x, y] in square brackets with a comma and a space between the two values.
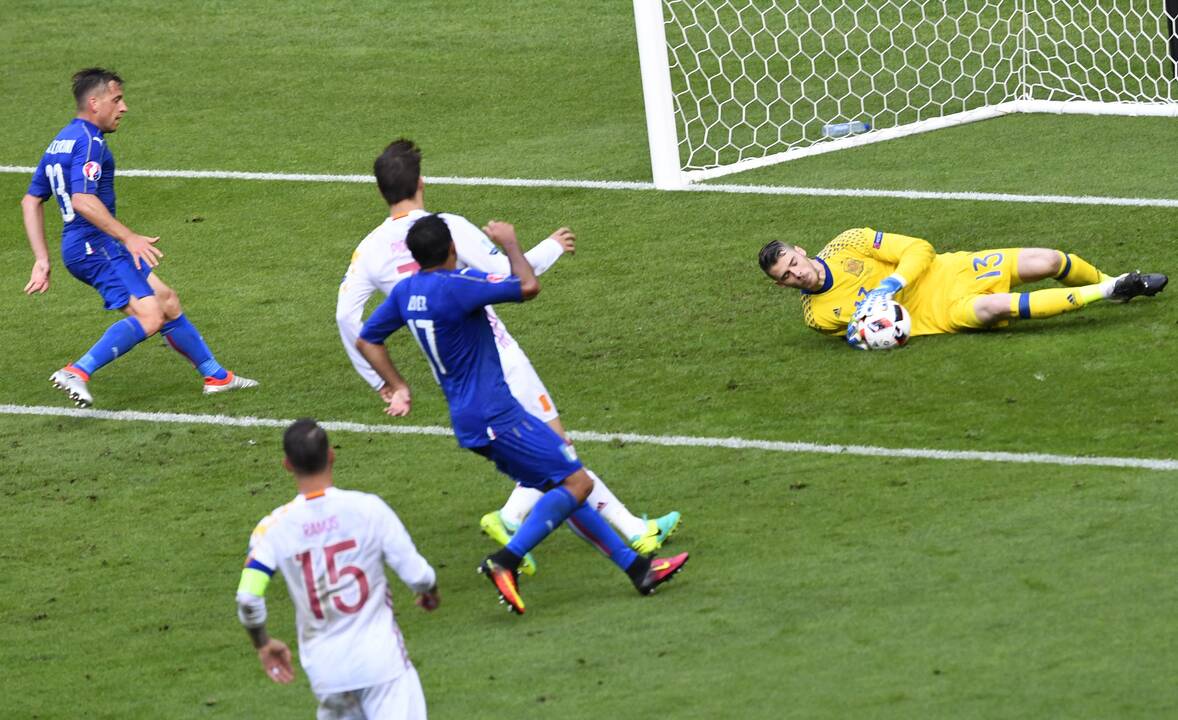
[258, 636]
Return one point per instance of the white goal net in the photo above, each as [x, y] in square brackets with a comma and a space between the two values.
[735, 84]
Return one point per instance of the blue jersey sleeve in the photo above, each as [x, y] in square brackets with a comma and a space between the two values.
[474, 289]
[86, 165]
[39, 185]
[383, 322]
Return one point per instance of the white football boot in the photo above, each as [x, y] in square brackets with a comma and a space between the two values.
[73, 386]
[232, 381]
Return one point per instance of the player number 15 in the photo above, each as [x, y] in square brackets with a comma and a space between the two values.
[334, 576]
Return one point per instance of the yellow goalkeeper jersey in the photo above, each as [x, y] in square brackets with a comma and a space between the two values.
[940, 288]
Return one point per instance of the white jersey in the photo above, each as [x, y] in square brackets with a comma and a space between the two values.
[382, 260]
[332, 548]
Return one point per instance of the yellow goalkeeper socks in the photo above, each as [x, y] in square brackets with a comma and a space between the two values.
[1075, 271]
[1053, 301]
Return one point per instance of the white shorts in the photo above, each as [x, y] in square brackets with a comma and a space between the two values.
[400, 699]
[525, 384]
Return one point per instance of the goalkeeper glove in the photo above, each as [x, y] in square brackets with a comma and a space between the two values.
[853, 336]
[888, 287]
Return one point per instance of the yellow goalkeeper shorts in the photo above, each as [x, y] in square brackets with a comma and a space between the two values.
[943, 301]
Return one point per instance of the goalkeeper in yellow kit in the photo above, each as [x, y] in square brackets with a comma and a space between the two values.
[943, 292]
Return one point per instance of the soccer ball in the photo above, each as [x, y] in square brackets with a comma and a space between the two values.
[883, 325]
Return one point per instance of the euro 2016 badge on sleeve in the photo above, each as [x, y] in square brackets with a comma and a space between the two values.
[92, 171]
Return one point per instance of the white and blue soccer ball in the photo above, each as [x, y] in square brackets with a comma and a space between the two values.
[883, 325]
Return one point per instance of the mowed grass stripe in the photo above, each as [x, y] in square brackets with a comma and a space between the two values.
[628, 185]
[730, 443]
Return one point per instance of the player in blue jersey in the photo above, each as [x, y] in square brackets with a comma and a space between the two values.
[78, 171]
[444, 310]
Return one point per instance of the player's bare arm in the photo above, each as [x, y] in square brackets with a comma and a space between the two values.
[272, 653]
[503, 235]
[33, 211]
[566, 238]
[395, 390]
[141, 247]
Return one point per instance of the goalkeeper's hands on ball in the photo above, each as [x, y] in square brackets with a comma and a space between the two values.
[886, 290]
[853, 334]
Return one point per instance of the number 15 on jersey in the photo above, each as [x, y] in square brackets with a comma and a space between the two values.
[337, 577]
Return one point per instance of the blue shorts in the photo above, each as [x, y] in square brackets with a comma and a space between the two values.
[532, 454]
[110, 270]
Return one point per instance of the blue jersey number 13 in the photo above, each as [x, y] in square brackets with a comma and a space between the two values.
[56, 180]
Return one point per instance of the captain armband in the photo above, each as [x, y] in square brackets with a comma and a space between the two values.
[251, 591]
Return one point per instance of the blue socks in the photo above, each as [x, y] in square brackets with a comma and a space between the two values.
[128, 332]
[556, 506]
[117, 340]
[547, 515]
[185, 339]
[589, 524]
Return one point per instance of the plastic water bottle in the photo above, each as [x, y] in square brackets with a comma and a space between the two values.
[837, 130]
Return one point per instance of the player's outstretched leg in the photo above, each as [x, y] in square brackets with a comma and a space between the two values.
[185, 339]
[117, 341]
[1054, 301]
[644, 535]
[502, 567]
[496, 527]
[645, 572]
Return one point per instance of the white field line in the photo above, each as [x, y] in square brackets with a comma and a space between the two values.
[730, 443]
[622, 185]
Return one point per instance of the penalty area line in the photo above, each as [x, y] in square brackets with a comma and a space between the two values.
[729, 443]
[735, 189]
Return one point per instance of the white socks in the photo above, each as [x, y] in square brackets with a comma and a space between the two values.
[520, 501]
[519, 504]
[611, 508]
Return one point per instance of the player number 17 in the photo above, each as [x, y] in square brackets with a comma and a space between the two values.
[423, 333]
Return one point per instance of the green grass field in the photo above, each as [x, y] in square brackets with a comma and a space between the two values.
[820, 586]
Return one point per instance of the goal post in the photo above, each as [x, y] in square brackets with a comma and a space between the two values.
[732, 85]
[661, 127]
